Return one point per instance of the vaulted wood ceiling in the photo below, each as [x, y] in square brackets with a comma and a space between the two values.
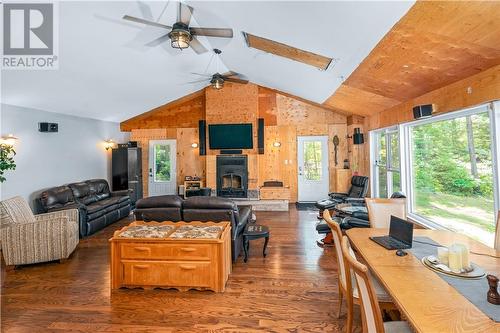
[433, 45]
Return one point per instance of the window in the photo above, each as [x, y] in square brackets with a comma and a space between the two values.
[386, 167]
[446, 165]
[312, 160]
[162, 163]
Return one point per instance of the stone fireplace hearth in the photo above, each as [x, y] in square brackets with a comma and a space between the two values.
[232, 176]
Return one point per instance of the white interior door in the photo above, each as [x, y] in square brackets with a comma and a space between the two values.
[312, 163]
[162, 167]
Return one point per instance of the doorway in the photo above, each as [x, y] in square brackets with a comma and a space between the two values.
[312, 168]
[162, 167]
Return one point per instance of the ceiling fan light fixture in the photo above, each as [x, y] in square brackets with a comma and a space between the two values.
[180, 37]
[217, 83]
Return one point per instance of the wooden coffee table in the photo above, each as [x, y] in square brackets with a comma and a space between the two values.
[158, 255]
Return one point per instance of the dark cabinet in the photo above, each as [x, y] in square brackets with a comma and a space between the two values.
[126, 170]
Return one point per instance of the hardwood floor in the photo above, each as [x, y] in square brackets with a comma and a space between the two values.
[294, 289]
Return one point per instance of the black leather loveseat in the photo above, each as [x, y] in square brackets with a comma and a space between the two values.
[204, 209]
[97, 205]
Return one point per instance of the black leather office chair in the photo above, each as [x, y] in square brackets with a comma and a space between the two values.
[356, 195]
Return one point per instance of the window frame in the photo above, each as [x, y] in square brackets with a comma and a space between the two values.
[375, 159]
[406, 156]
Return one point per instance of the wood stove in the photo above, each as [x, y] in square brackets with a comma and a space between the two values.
[232, 176]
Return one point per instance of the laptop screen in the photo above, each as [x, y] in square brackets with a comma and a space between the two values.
[401, 230]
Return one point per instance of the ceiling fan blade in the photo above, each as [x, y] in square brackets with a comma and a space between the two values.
[198, 81]
[199, 74]
[143, 21]
[185, 13]
[158, 41]
[212, 32]
[197, 46]
[235, 80]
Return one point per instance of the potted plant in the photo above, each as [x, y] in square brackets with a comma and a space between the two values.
[7, 154]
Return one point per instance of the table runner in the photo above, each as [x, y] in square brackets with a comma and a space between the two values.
[474, 290]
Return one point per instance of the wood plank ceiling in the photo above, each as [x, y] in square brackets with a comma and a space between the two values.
[433, 45]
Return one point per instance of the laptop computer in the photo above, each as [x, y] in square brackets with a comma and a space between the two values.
[400, 235]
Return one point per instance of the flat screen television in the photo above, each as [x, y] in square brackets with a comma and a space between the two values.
[230, 136]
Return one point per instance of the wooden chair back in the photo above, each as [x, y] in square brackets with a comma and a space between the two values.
[370, 309]
[380, 211]
[344, 272]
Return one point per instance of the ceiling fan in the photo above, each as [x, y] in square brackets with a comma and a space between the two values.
[217, 80]
[181, 35]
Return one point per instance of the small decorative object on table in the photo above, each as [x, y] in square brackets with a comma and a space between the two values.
[493, 296]
[255, 231]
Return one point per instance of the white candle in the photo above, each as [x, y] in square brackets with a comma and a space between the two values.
[443, 255]
[455, 258]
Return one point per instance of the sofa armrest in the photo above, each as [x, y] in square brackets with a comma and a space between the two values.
[55, 233]
[82, 216]
[122, 193]
[337, 195]
[72, 215]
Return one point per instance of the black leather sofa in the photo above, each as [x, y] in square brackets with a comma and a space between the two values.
[199, 208]
[98, 207]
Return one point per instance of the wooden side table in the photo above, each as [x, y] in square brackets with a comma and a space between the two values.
[255, 231]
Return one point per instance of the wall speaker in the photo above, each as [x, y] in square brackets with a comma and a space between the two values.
[48, 127]
[423, 111]
[202, 135]
[260, 135]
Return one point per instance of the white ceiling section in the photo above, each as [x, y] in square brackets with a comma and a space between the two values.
[106, 71]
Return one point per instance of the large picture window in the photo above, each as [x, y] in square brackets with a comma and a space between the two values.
[447, 170]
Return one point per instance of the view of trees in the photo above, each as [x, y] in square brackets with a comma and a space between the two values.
[454, 157]
[453, 174]
[162, 160]
[312, 160]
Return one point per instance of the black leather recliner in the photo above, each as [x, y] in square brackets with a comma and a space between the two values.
[356, 194]
[159, 208]
[98, 207]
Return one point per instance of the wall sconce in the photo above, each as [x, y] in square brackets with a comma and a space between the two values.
[357, 137]
[8, 140]
[277, 144]
[194, 145]
[109, 144]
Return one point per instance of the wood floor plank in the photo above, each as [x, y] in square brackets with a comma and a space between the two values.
[293, 289]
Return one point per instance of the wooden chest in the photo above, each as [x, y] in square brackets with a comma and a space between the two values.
[181, 263]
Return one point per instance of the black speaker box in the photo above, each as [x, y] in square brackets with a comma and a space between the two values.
[260, 135]
[202, 134]
[423, 111]
[48, 127]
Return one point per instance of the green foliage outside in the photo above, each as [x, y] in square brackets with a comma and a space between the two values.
[312, 160]
[446, 188]
[162, 160]
[442, 162]
[7, 154]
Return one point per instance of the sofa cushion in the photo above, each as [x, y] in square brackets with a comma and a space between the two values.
[56, 197]
[99, 188]
[160, 201]
[209, 203]
[82, 193]
[15, 210]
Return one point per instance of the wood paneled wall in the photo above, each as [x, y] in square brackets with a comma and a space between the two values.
[285, 118]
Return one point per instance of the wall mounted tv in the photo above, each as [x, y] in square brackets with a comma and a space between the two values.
[230, 136]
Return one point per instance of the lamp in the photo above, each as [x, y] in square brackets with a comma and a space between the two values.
[108, 144]
[180, 36]
[8, 140]
[194, 145]
[358, 137]
[277, 144]
[217, 82]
